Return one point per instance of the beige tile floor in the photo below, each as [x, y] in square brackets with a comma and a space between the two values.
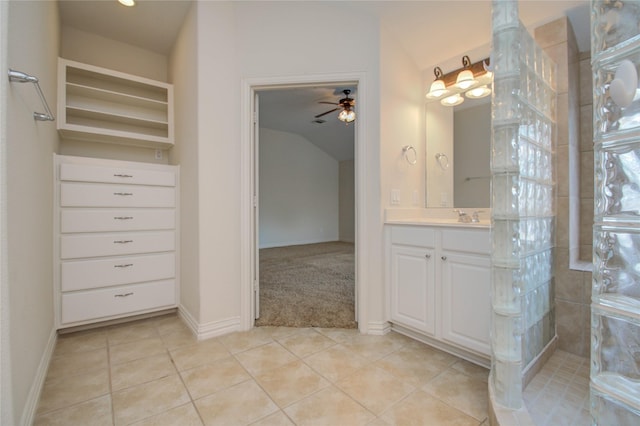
[153, 372]
[559, 394]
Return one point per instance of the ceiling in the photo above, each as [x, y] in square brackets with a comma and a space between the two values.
[293, 110]
[418, 26]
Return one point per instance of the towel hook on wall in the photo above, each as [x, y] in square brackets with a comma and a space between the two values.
[411, 159]
[21, 77]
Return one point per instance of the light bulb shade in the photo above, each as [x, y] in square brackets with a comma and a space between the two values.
[347, 115]
[452, 100]
[478, 92]
[437, 90]
[465, 80]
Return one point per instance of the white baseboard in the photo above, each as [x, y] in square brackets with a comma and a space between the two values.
[473, 357]
[378, 328]
[297, 243]
[31, 404]
[211, 329]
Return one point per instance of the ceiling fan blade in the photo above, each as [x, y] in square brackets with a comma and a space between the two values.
[330, 103]
[325, 113]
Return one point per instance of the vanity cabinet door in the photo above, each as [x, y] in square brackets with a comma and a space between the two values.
[413, 287]
[466, 300]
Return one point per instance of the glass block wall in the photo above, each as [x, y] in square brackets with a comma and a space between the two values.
[615, 298]
[523, 202]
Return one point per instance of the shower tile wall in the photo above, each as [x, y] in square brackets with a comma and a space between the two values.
[572, 288]
[586, 165]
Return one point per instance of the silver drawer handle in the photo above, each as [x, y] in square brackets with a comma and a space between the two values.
[123, 217]
[123, 193]
[122, 241]
[123, 295]
[124, 265]
[122, 175]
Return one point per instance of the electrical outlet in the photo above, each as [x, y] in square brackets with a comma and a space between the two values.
[158, 154]
[395, 197]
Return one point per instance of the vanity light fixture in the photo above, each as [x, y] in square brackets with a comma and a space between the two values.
[465, 79]
[452, 100]
[438, 88]
[128, 3]
[472, 80]
[478, 92]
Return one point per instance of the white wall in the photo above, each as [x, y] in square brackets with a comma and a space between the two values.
[347, 208]
[472, 135]
[402, 111]
[242, 40]
[183, 73]
[88, 48]
[33, 41]
[218, 163]
[299, 191]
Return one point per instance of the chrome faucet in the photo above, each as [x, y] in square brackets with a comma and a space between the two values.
[462, 216]
[474, 216]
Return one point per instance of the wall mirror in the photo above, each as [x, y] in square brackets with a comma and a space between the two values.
[458, 143]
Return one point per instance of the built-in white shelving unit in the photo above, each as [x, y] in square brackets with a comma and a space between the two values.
[100, 105]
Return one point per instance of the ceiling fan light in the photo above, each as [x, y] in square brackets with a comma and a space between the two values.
[347, 115]
[478, 92]
[452, 100]
[465, 80]
[437, 90]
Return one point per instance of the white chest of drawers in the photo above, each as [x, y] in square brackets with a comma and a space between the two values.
[116, 239]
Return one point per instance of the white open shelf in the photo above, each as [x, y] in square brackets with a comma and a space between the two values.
[100, 105]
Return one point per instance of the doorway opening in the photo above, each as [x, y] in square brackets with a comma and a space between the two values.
[304, 208]
[365, 184]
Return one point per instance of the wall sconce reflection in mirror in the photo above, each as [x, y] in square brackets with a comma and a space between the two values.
[472, 80]
[443, 160]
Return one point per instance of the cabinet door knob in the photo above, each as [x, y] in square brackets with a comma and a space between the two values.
[444, 258]
[428, 256]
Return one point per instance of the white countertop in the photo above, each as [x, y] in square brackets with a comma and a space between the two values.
[444, 217]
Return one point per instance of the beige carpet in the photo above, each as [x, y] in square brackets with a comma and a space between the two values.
[309, 285]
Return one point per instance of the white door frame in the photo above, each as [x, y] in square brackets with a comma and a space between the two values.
[247, 171]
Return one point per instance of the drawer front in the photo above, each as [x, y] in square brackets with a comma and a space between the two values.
[93, 245]
[467, 240]
[87, 274]
[88, 173]
[99, 195]
[103, 303]
[83, 220]
[413, 236]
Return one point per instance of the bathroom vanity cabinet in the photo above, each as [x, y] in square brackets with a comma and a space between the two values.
[438, 281]
[100, 105]
[115, 239]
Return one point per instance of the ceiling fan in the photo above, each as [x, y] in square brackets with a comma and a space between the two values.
[346, 104]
